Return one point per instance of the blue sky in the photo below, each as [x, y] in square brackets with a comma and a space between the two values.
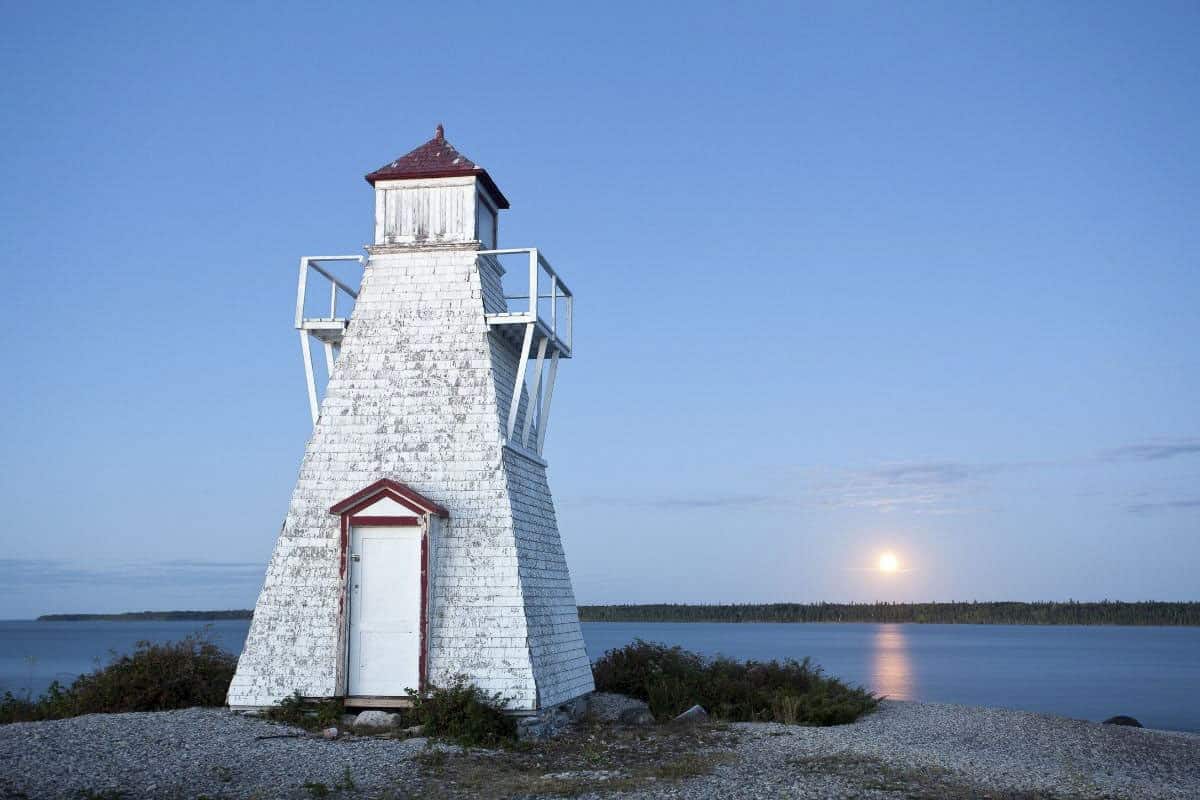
[851, 277]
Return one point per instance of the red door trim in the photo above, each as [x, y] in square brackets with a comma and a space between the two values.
[399, 522]
[421, 660]
[347, 522]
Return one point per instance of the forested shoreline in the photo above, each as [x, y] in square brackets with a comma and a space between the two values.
[1007, 613]
[150, 616]
[974, 613]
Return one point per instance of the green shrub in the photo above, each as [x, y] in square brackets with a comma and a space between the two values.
[464, 713]
[307, 714]
[672, 679]
[154, 677]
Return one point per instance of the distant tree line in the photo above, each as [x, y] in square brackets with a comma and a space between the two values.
[1066, 613]
[1105, 612]
[150, 616]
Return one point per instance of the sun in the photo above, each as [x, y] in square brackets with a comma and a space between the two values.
[888, 563]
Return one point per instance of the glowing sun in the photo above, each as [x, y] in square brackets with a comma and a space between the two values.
[888, 563]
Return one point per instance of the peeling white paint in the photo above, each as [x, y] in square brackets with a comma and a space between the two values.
[420, 394]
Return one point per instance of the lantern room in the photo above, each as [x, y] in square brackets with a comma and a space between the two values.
[435, 195]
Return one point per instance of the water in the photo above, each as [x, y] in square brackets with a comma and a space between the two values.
[1083, 672]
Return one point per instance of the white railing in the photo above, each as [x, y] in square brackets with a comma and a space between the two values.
[542, 327]
[314, 263]
[543, 332]
[560, 326]
[326, 330]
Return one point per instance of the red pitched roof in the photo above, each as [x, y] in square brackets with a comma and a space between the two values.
[437, 158]
[389, 488]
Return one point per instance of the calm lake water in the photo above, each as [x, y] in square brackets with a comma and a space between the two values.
[1084, 672]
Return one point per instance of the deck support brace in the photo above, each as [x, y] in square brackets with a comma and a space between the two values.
[306, 350]
[535, 397]
[544, 410]
[515, 404]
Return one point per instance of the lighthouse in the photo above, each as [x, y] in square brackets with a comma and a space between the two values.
[421, 542]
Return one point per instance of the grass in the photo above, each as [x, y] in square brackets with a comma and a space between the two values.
[154, 677]
[928, 783]
[317, 789]
[586, 759]
[310, 715]
[672, 679]
[461, 713]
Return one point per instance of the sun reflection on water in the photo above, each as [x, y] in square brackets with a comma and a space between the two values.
[891, 670]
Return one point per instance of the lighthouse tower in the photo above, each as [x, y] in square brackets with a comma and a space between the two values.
[421, 542]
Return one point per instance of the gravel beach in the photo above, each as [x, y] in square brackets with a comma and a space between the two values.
[903, 750]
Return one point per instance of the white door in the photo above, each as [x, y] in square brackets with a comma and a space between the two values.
[385, 611]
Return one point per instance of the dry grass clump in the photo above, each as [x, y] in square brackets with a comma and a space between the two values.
[586, 759]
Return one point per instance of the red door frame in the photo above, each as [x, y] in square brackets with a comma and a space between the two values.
[419, 505]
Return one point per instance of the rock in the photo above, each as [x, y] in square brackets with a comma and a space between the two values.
[413, 730]
[368, 722]
[1121, 719]
[608, 707]
[531, 728]
[330, 733]
[636, 716]
[575, 709]
[544, 724]
[692, 716]
[584, 775]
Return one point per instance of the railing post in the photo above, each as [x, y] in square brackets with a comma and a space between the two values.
[301, 288]
[554, 305]
[533, 282]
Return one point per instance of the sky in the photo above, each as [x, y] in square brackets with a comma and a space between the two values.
[851, 278]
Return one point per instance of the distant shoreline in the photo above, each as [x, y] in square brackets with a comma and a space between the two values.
[150, 616]
[999, 613]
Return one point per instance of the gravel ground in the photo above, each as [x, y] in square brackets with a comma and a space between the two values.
[936, 750]
[188, 754]
[903, 750]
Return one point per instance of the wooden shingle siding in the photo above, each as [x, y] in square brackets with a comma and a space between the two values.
[420, 394]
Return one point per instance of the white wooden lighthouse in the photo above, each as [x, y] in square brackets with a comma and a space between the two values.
[421, 542]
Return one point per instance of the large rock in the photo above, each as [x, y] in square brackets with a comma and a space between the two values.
[609, 707]
[636, 716]
[368, 722]
[1121, 719]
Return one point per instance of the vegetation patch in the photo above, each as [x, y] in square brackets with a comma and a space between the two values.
[464, 714]
[461, 713]
[154, 677]
[586, 759]
[308, 714]
[672, 679]
[915, 783]
[317, 789]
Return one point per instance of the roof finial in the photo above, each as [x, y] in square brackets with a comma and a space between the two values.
[440, 133]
